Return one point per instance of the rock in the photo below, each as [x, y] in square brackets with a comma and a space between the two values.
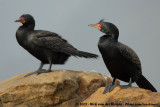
[60, 88]
[123, 97]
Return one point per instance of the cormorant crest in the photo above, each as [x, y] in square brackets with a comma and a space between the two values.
[102, 20]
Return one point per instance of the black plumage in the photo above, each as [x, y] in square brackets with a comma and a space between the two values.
[121, 61]
[48, 47]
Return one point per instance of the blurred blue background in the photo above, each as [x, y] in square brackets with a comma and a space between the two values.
[138, 22]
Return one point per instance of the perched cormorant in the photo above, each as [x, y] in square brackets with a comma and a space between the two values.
[121, 61]
[48, 47]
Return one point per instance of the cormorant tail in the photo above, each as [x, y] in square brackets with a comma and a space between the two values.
[86, 54]
[144, 83]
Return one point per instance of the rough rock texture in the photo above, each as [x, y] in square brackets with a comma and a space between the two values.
[123, 97]
[59, 88]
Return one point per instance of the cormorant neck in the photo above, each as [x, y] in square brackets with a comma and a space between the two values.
[28, 26]
[112, 37]
[115, 36]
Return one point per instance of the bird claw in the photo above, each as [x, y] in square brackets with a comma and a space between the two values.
[38, 72]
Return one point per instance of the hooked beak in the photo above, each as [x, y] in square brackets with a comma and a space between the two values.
[17, 20]
[21, 20]
[97, 26]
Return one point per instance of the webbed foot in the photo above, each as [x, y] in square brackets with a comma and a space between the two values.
[38, 72]
[109, 88]
[125, 86]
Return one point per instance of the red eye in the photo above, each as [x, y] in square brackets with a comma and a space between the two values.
[22, 19]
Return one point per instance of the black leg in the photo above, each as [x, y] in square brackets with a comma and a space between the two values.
[36, 72]
[45, 71]
[126, 86]
[41, 66]
[114, 79]
[50, 66]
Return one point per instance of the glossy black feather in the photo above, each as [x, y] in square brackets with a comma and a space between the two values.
[53, 42]
[130, 55]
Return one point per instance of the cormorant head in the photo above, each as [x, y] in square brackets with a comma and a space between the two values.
[26, 20]
[107, 28]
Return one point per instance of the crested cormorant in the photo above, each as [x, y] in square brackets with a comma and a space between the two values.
[48, 47]
[121, 61]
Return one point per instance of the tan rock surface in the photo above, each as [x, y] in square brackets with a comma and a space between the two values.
[60, 88]
[131, 97]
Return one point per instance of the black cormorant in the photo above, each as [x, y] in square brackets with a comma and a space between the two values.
[48, 47]
[121, 61]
